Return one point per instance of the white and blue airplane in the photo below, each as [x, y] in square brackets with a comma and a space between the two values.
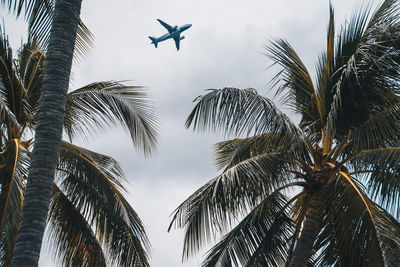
[173, 32]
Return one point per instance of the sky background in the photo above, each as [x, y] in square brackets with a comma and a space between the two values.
[223, 48]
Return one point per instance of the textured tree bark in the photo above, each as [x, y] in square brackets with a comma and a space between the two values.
[311, 228]
[48, 133]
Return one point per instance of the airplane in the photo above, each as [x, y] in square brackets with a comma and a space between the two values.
[173, 32]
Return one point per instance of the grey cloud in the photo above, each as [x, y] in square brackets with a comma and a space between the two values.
[223, 48]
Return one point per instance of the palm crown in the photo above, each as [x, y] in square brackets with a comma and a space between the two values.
[322, 192]
[89, 214]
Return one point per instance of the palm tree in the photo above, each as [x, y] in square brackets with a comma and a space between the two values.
[323, 192]
[48, 132]
[89, 215]
[39, 16]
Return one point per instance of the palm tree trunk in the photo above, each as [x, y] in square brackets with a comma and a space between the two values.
[48, 133]
[311, 228]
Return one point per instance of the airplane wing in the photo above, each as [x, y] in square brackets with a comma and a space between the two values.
[168, 27]
[177, 40]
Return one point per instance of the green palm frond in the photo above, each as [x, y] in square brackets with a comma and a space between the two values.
[13, 170]
[325, 70]
[39, 15]
[26, 7]
[40, 26]
[80, 161]
[380, 130]
[8, 82]
[386, 15]
[349, 235]
[30, 69]
[91, 181]
[104, 104]
[342, 69]
[381, 167]
[216, 206]
[294, 81]
[7, 117]
[232, 152]
[366, 67]
[260, 239]
[14, 76]
[241, 111]
[383, 185]
[73, 239]
[389, 234]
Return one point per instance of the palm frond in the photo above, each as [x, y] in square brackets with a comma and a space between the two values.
[386, 16]
[30, 69]
[216, 206]
[381, 167]
[103, 104]
[13, 171]
[325, 71]
[9, 91]
[242, 111]
[7, 117]
[380, 130]
[26, 7]
[260, 239]
[231, 152]
[294, 81]
[343, 68]
[389, 235]
[39, 15]
[40, 27]
[91, 181]
[74, 241]
[349, 235]
[366, 67]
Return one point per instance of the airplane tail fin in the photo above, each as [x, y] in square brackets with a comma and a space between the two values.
[153, 40]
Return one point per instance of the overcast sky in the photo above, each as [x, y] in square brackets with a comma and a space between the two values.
[224, 47]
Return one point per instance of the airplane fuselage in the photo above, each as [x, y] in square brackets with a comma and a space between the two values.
[174, 34]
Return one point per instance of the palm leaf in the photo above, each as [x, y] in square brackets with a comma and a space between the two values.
[9, 88]
[343, 67]
[380, 130]
[91, 181]
[294, 81]
[39, 15]
[260, 239]
[7, 117]
[389, 234]
[381, 167]
[366, 67]
[242, 111]
[217, 205]
[74, 241]
[30, 70]
[349, 235]
[104, 104]
[13, 171]
[20, 83]
[232, 152]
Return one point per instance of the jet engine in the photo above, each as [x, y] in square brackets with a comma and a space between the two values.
[175, 27]
[182, 37]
